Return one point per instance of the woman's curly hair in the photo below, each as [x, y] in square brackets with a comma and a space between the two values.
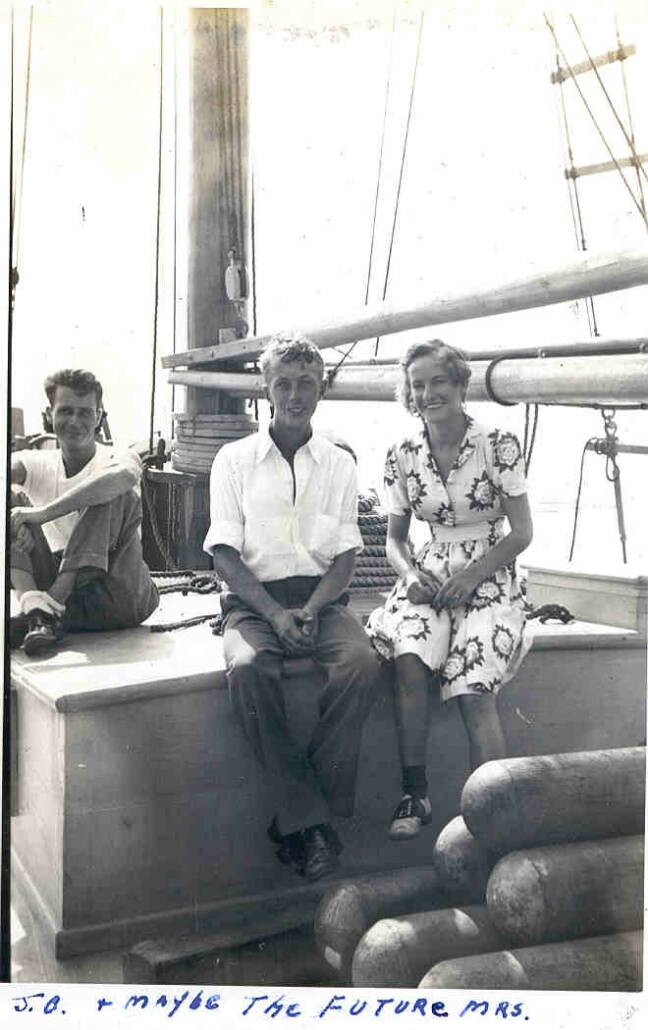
[454, 359]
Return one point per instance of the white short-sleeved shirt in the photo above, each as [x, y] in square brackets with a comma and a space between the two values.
[46, 480]
[253, 509]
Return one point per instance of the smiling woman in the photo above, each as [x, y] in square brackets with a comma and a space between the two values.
[456, 613]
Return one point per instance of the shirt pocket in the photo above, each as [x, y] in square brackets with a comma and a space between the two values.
[325, 536]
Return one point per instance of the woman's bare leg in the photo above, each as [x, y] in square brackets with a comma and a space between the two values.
[486, 738]
[412, 687]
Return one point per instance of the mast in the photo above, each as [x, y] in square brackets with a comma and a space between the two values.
[218, 182]
[218, 229]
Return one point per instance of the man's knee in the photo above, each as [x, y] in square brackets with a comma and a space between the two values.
[113, 518]
[246, 666]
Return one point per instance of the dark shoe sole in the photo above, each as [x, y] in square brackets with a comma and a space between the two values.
[289, 850]
[37, 644]
[321, 869]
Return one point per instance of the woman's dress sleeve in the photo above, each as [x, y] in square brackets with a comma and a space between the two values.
[395, 496]
[507, 463]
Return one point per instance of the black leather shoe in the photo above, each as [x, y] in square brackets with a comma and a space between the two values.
[321, 850]
[44, 631]
[291, 846]
[18, 626]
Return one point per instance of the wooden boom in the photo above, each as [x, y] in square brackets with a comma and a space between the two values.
[610, 380]
[584, 276]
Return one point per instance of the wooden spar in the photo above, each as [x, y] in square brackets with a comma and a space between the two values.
[605, 166]
[595, 345]
[562, 74]
[610, 380]
[584, 276]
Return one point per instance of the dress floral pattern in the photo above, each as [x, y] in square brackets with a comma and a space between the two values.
[477, 646]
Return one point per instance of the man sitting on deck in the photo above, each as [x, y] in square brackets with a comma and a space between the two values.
[83, 570]
[283, 536]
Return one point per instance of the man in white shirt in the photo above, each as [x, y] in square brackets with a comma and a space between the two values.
[283, 536]
[76, 556]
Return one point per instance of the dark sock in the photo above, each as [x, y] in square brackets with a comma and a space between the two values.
[414, 781]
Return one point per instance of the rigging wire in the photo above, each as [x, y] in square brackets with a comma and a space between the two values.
[626, 95]
[530, 428]
[609, 448]
[574, 200]
[5, 964]
[390, 63]
[586, 447]
[255, 403]
[638, 165]
[17, 181]
[10, 269]
[594, 121]
[157, 237]
[402, 164]
[175, 210]
[253, 255]
[333, 372]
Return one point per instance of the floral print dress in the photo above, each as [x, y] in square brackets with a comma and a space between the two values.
[478, 645]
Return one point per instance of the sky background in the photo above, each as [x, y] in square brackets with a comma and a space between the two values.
[483, 197]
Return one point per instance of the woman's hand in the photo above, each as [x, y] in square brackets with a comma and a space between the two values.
[422, 586]
[457, 589]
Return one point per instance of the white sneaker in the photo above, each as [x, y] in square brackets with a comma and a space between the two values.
[410, 815]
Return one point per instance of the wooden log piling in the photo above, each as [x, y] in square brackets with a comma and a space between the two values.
[551, 799]
[347, 910]
[607, 963]
[397, 952]
[462, 863]
[567, 891]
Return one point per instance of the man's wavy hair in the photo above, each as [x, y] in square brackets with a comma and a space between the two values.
[455, 361]
[289, 346]
[76, 379]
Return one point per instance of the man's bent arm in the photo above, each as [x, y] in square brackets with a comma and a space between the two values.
[99, 489]
[230, 567]
[333, 583]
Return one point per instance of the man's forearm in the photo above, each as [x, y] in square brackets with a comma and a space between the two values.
[230, 567]
[98, 490]
[333, 583]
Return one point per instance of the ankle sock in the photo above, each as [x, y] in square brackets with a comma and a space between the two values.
[32, 599]
[414, 781]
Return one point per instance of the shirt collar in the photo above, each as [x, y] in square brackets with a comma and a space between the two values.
[467, 445]
[265, 444]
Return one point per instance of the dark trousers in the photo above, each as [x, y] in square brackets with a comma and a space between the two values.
[113, 587]
[322, 778]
